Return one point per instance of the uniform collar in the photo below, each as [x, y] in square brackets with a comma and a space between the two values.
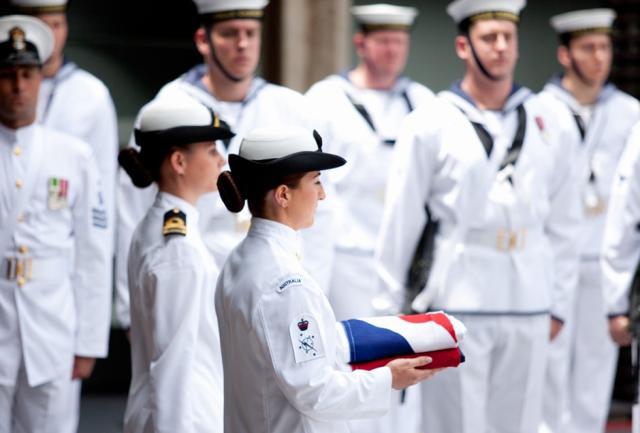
[166, 202]
[516, 97]
[194, 76]
[401, 85]
[23, 134]
[284, 235]
[554, 85]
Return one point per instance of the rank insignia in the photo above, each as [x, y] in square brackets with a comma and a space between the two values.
[57, 193]
[175, 223]
[306, 339]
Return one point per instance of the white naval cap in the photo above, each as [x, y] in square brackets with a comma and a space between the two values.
[221, 10]
[584, 21]
[24, 40]
[34, 7]
[178, 119]
[473, 10]
[384, 17]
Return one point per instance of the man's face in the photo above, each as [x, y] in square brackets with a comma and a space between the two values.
[496, 44]
[592, 55]
[57, 22]
[384, 51]
[19, 87]
[237, 45]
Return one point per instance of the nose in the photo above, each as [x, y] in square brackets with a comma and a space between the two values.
[243, 40]
[501, 42]
[321, 193]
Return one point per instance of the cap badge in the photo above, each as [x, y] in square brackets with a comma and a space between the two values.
[17, 37]
[175, 223]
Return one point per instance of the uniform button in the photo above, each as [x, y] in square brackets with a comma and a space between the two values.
[17, 151]
[23, 249]
[18, 183]
[21, 281]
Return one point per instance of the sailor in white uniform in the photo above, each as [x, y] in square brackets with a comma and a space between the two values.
[363, 109]
[621, 248]
[278, 332]
[73, 101]
[583, 358]
[176, 383]
[55, 298]
[487, 161]
[229, 40]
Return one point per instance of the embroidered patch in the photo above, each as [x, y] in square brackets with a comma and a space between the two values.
[290, 281]
[57, 193]
[99, 218]
[305, 338]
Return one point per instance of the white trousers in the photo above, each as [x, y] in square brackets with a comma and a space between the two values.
[582, 364]
[499, 387]
[39, 409]
[350, 295]
[73, 408]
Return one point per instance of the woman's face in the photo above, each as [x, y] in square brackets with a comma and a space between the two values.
[304, 200]
[203, 166]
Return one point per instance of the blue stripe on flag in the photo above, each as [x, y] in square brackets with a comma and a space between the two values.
[368, 342]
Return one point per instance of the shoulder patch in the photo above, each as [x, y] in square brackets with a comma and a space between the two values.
[291, 280]
[306, 338]
[175, 223]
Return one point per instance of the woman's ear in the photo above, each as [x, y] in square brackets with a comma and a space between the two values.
[178, 162]
[282, 196]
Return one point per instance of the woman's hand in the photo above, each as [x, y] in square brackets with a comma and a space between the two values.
[405, 372]
[619, 330]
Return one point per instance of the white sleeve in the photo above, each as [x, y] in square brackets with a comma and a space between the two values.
[621, 243]
[311, 381]
[404, 214]
[172, 294]
[564, 222]
[92, 268]
[132, 205]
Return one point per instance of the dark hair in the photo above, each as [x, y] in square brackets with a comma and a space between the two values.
[234, 190]
[143, 167]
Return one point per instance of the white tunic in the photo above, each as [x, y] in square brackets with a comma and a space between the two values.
[265, 105]
[502, 248]
[279, 344]
[176, 383]
[79, 104]
[49, 187]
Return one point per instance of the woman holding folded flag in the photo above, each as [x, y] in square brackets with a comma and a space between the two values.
[279, 337]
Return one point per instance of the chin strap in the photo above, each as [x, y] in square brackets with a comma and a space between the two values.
[484, 70]
[217, 61]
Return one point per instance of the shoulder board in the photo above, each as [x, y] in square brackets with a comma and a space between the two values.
[175, 223]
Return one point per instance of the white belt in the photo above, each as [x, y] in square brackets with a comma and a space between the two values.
[25, 269]
[503, 239]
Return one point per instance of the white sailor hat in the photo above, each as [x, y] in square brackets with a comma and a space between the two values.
[34, 7]
[221, 10]
[24, 40]
[178, 120]
[474, 10]
[384, 17]
[272, 152]
[580, 22]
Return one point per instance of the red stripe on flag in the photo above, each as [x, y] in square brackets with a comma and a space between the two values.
[439, 359]
[440, 318]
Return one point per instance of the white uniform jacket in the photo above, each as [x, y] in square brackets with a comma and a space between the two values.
[502, 247]
[621, 243]
[79, 104]
[280, 344]
[367, 145]
[176, 383]
[604, 136]
[51, 210]
[265, 105]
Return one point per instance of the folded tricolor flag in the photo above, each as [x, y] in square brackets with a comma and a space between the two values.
[375, 341]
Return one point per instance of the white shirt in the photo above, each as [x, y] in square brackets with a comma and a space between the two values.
[176, 383]
[606, 125]
[280, 344]
[442, 163]
[64, 310]
[265, 105]
[368, 148]
[79, 104]
[621, 241]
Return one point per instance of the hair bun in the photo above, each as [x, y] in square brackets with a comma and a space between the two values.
[230, 193]
[129, 160]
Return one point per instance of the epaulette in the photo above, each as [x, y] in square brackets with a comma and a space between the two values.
[175, 223]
